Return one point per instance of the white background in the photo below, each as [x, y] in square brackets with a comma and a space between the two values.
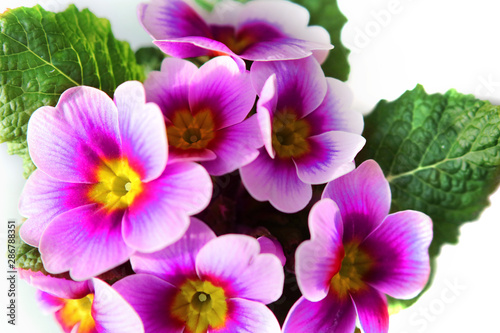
[396, 44]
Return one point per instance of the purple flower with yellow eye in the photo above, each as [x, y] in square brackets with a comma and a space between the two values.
[255, 31]
[311, 135]
[90, 306]
[103, 189]
[203, 283]
[358, 253]
[205, 110]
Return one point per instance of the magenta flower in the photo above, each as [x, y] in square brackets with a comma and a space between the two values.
[204, 283]
[89, 306]
[356, 254]
[255, 31]
[103, 189]
[310, 134]
[205, 111]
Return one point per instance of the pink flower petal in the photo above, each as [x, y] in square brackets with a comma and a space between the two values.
[331, 314]
[69, 141]
[246, 316]
[85, 241]
[335, 113]
[319, 259]
[266, 105]
[242, 272]
[344, 169]
[48, 303]
[151, 298]
[189, 47]
[176, 262]
[371, 307]
[363, 197]
[142, 129]
[172, 19]
[224, 14]
[221, 87]
[329, 152]
[60, 287]
[285, 16]
[281, 49]
[44, 198]
[111, 311]
[319, 35]
[170, 87]
[235, 146]
[301, 83]
[272, 246]
[276, 180]
[190, 155]
[159, 216]
[399, 247]
[288, 38]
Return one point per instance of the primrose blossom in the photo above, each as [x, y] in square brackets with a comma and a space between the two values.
[89, 306]
[203, 283]
[254, 31]
[103, 188]
[358, 253]
[311, 135]
[205, 112]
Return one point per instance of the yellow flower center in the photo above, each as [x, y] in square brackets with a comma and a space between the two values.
[200, 305]
[355, 265]
[118, 185]
[79, 311]
[289, 135]
[191, 131]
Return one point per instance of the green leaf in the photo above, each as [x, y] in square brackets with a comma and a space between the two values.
[43, 54]
[28, 257]
[440, 154]
[327, 14]
[150, 58]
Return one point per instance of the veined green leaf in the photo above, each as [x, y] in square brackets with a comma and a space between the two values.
[440, 154]
[43, 54]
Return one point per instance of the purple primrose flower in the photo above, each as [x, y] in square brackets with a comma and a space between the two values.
[205, 111]
[203, 283]
[255, 31]
[90, 306]
[358, 253]
[311, 135]
[103, 189]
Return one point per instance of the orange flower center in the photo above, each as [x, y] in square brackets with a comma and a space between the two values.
[189, 131]
[289, 135]
[355, 265]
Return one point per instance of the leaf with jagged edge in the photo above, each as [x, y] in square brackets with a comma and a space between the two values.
[28, 257]
[441, 156]
[43, 53]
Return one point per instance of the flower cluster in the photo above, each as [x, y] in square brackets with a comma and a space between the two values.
[122, 186]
